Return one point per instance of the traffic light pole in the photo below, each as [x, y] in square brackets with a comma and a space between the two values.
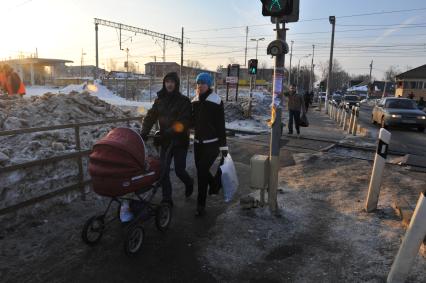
[332, 20]
[276, 114]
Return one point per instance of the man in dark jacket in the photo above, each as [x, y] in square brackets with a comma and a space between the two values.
[296, 106]
[209, 136]
[173, 112]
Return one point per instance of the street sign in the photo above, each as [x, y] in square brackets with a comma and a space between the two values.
[231, 80]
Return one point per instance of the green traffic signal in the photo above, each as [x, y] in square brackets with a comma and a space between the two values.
[277, 8]
[275, 4]
[252, 66]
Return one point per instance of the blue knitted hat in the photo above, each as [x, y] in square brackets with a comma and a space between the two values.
[204, 78]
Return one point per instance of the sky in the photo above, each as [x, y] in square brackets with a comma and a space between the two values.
[389, 32]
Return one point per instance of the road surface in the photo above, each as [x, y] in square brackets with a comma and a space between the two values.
[408, 141]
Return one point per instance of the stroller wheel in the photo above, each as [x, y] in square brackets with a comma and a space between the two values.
[134, 239]
[163, 217]
[93, 230]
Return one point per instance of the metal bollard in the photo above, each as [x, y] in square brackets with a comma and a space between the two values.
[339, 116]
[351, 120]
[345, 119]
[410, 245]
[378, 168]
[355, 123]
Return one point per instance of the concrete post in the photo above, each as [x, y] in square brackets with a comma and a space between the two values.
[410, 245]
[355, 123]
[378, 168]
[32, 74]
[345, 119]
[351, 121]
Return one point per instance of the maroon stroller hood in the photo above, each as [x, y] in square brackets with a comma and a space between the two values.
[118, 164]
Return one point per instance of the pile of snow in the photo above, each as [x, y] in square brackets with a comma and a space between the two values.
[362, 88]
[95, 89]
[46, 110]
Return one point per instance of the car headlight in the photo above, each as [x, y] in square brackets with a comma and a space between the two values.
[421, 117]
[396, 116]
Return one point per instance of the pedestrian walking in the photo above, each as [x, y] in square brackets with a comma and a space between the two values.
[209, 136]
[421, 103]
[296, 107]
[173, 112]
[307, 99]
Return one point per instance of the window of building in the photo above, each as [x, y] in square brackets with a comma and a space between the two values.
[406, 85]
[413, 85]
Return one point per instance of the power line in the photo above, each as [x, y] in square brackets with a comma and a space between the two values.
[315, 19]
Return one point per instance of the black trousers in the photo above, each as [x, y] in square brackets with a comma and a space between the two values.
[178, 153]
[205, 155]
[294, 115]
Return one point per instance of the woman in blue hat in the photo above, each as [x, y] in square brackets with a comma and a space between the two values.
[209, 138]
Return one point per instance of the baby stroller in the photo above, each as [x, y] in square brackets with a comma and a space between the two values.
[119, 166]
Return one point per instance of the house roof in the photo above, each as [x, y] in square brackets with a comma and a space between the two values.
[162, 63]
[416, 73]
[42, 61]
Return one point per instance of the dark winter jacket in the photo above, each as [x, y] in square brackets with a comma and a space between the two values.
[209, 118]
[173, 112]
[295, 102]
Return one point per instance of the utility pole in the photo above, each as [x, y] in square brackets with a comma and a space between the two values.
[127, 73]
[311, 78]
[291, 57]
[164, 48]
[332, 20]
[298, 70]
[371, 69]
[276, 114]
[81, 64]
[181, 60]
[97, 55]
[153, 74]
[245, 57]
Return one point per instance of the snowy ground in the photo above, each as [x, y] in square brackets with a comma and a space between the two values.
[323, 234]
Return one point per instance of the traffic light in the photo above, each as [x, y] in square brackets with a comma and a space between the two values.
[252, 70]
[322, 86]
[277, 8]
[281, 10]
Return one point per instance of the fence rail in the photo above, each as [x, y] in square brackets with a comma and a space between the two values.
[80, 185]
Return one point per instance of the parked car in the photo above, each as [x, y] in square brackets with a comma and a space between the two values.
[320, 95]
[336, 99]
[350, 101]
[392, 111]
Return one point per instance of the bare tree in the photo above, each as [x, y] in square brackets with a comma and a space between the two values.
[340, 77]
[194, 64]
[391, 73]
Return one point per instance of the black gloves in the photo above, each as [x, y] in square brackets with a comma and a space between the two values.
[144, 137]
[224, 153]
[169, 132]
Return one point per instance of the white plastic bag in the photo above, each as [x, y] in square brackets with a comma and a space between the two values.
[229, 178]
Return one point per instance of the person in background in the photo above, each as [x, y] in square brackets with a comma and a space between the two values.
[296, 107]
[209, 136]
[421, 103]
[173, 112]
[10, 82]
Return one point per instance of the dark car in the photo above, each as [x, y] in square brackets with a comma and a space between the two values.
[350, 101]
[336, 99]
[392, 111]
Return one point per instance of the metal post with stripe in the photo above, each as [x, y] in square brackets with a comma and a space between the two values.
[378, 168]
[410, 246]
